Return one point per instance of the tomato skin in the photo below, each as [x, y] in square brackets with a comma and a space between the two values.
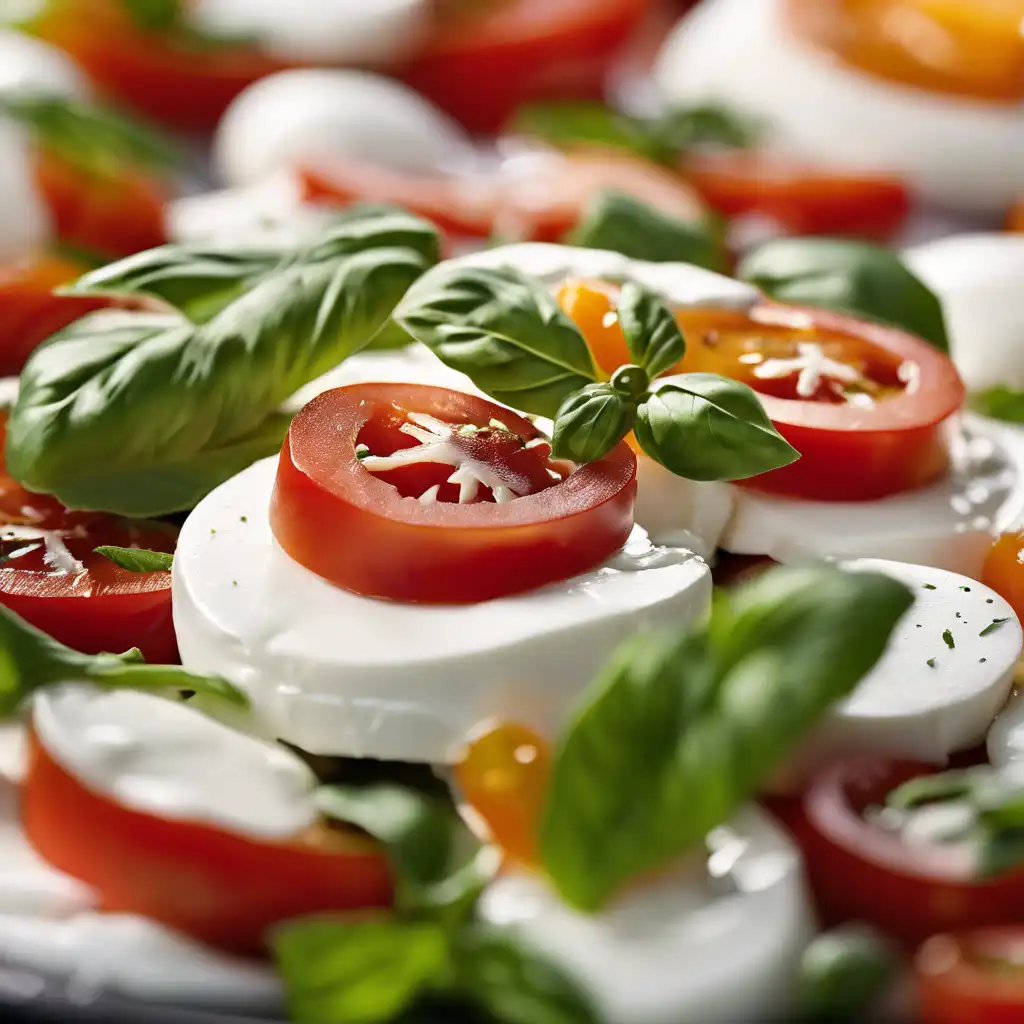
[223, 889]
[1015, 220]
[859, 872]
[1003, 570]
[954, 988]
[802, 198]
[440, 553]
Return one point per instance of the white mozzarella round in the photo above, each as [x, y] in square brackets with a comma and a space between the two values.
[315, 31]
[312, 115]
[335, 673]
[1005, 739]
[948, 525]
[954, 151]
[164, 758]
[978, 279]
[24, 217]
[719, 945]
[28, 64]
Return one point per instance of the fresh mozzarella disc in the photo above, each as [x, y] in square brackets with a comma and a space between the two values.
[335, 673]
[13, 751]
[314, 31]
[1006, 737]
[311, 115]
[948, 525]
[978, 278]
[24, 217]
[954, 151]
[164, 758]
[30, 65]
[925, 699]
[721, 945]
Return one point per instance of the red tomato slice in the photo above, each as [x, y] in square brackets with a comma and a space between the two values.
[374, 536]
[972, 978]
[860, 872]
[482, 66]
[802, 198]
[220, 887]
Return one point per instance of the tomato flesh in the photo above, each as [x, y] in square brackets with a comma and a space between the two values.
[222, 888]
[1003, 569]
[333, 515]
[1015, 220]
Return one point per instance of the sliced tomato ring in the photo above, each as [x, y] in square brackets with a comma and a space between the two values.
[395, 535]
[223, 888]
[858, 871]
[803, 199]
[975, 977]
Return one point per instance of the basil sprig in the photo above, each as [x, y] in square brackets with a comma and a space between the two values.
[143, 413]
[136, 559]
[678, 732]
[30, 660]
[850, 277]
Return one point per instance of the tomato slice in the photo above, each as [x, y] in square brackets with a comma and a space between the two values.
[860, 872]
[407, 533]
[1015, 221]
[1003, 570]
[802, 198]
[481, 66]
[975, 977]
[222, 888]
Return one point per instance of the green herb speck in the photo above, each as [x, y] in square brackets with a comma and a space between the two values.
[243, 519]
[931, 663]
[958, 615]
[929, 586]
[212, 530]
[981, 661]
[989, 600]
[992, 626]
[947, 638]
[966, 590]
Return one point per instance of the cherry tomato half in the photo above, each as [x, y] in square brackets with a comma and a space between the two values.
[972, 978]
[860, 872]
[407, 533]
[1015, 221]
[1003, 570]
[222, 888]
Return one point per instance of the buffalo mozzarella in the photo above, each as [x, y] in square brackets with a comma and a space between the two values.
[24, 217]
[720, 944]
[339, 674]
[954, 151]
[30, 65]
[311, 115]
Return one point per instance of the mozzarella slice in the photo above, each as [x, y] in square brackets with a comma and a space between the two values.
[720, 945]
[948, 525]
[312, 115]
[954, 151]
[335, 673]
[1005, 739]
[24, 217]
[30, 65]
[164, 758]
[978, 278]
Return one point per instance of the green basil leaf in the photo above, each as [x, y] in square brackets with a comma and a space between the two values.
[655, 341]
[591, 422]
[705, 427]
[502, 329]
[678, 732]
[569, 124]
[682, 129]
[136, 559]
[620, 223]
[517, 986]
[154, 15]
[851, 277]
[1000, 403]
[30, 660]
[358, 971]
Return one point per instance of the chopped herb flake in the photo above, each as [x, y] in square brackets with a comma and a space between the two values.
[966, 590]
[992, 626]
[929, 586]
[243, 519]
[981, 661]
[947, 638]
[989, 600]
[958, 615]
[931, 663]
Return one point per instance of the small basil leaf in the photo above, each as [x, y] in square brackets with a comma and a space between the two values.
[705, 427]
[502, 329]
[568, 124]
[679, 731]
[1000, 403]
[516, 986]
[851, 277]
[591, 422]
[358, 971]
[620, 223]
[136, 559]
[682, 129]
[655, 341]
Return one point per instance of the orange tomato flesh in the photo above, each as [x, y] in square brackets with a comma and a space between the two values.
[1015, 221]
[1003, 570]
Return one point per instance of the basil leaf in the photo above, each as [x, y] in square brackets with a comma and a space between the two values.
[655, 341]
[591, 422]
[154, 15]
[502, 329]
[569, 124]
[516, 986]
[136, 559]
[620, 223]
[358, 971]
[851, 277]
[842, 972]
[1000, 403]
[705, 427]
[30, 660]
[682, 129]
[678, 732]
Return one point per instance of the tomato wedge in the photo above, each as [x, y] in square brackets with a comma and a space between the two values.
[860, 872]
[974, 977]
[803, 199]
[220, 887]
[388, 520]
